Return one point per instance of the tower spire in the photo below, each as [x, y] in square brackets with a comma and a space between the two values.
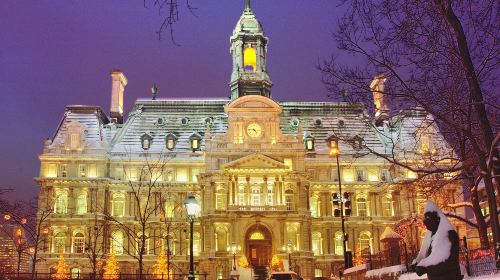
[247, 5]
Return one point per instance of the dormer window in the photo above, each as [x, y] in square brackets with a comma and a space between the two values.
[341, 123]
[357, 142]
[294, 122]
[170, 141]
[184, 121]
[146, 141]
[195, 140]
[309, 142]
[209, 121]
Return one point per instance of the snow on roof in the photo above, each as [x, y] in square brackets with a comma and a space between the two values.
[389, 233]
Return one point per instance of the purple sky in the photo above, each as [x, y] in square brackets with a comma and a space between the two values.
[56, 53]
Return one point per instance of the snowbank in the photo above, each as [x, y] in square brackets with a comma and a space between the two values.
[364, 266]
[391, 271]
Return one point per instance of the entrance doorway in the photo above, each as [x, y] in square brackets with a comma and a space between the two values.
[258, 243]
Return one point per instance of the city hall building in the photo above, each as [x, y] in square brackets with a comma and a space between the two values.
[260, 169]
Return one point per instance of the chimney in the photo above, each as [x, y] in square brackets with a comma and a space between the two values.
[379, 99]
[118, 83]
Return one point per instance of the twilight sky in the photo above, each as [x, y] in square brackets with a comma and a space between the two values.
[56, 53]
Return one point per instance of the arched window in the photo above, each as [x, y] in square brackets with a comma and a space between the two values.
[339, 247]
[315, 206]
[317, 243]
[81, 203]
[118, 205]
[289, 200]
[139, 245]
[387, 205]
[220, 199]
[78, 243]
[364, 241]
[221, 239]
[117, 242]
[196, 244]
[255, 196]
[61, 204]
[59, 244]
[362, 206]
[318, 273]
[249, 60]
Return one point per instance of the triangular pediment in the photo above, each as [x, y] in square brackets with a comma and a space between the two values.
[255, 161]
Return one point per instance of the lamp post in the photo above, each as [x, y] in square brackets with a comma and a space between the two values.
[333, 146]
[192, 210]
[234, 249]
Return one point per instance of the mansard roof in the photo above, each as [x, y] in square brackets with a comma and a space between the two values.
[91, 119]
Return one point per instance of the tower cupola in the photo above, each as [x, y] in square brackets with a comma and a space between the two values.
[248, 50]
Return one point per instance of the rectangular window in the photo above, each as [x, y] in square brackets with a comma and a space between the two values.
[194, 174]
[335, 174]
[51, 170]
[373, 175]
[360, 175]
[182, 175]
[63, 170]
[82, 170]
[168, 175]
[384, 175]
[92, 170]
[288, 162]
[119, 173]
[348, 174]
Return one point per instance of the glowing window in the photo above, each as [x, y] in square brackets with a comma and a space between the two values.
[249, 60]
[257, 235]
[78, 243]
[52, 170]
[118, 205]
[59, 243]
[339, 248]
[182, 175]
[288, 162]
[117, 242]
[316, 243]
[81, 203]
[61, 204]
[362, 206]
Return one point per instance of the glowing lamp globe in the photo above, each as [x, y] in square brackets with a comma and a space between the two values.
[193, 209]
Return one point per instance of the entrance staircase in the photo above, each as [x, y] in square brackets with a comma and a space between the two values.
[260, 273]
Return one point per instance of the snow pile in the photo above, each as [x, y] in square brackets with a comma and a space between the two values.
[486, 277]
[360, 267]
[441, 245]
[391, 271]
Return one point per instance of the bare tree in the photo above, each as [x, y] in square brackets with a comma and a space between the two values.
[440, 56]
[168, 11]
[30, 217]
[95, 248]
[143, 188]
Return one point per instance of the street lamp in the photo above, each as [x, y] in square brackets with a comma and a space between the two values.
[192, 210]
[333, 146]
[234, 249]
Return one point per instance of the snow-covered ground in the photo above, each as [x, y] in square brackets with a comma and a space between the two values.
[413, 276]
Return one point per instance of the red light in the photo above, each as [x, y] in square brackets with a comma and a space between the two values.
[24, 221]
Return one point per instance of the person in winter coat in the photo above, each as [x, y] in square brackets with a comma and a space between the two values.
[438, 256]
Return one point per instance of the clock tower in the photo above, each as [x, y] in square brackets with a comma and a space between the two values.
[248, 50]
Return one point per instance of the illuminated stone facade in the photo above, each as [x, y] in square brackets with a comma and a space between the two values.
[259, 168]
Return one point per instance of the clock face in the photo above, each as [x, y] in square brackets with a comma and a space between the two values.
[254, 130]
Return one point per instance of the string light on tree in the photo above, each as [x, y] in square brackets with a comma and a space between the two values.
[62, 271]
[111, 269]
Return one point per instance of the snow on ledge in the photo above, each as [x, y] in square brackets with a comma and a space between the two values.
[400, 268]
[360, 267]
[412, 276]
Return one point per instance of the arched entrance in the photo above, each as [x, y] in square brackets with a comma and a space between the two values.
[258, 245]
